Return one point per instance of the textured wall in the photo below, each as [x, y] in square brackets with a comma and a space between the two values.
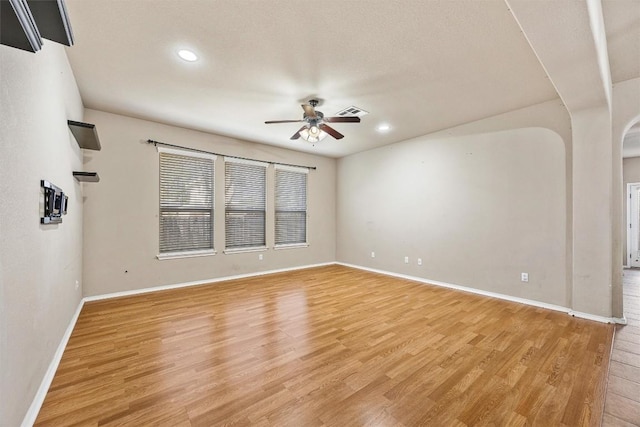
[39, 264]
[121, 212]
[477, 206]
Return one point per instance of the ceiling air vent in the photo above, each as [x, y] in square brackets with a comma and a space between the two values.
[352, 111]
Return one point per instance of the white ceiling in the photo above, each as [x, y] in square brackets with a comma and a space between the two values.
[420, 66]
[622, 26]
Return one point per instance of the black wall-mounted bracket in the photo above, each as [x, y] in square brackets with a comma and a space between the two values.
[24, 23]
[55, 203]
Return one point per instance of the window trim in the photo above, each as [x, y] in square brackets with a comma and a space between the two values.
[295, 169]
[265, 165]
[291, 246]
[246, 161]
[200, 252]
[292, 169]
[186, 254]
[247, 249]
[187, 153]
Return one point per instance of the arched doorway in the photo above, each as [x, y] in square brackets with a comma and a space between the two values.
[631, 208]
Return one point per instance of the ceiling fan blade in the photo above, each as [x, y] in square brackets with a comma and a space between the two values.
[283, 121]
[309, 111]
[297, 134]
[331, 131]
[348, 119]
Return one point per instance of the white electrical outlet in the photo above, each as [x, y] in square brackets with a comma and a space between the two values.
[77, 285]
[419, 261]
[373, 254]
[260, 257]
[524, 277]
[406, 260]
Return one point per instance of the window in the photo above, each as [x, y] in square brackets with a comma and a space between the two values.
[186, 203]
[291, 206]
[245, 204]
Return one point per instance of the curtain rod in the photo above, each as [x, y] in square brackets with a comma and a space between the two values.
[156, 143]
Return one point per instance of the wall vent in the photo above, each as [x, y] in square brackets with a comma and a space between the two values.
[352, 111]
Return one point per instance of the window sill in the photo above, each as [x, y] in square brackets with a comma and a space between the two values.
[242, 250]
[291, 246]
[189, 254]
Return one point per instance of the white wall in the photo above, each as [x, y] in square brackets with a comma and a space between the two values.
[631, 175]
[625, 113]
[39, 264]
[478, 204]
[592, 211]
[121, 211]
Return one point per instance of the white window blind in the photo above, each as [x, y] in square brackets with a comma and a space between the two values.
[291, 207]
[245, 204]
[186, 202]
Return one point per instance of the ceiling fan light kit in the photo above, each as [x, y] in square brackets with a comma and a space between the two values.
[315, 128]
[312, 134]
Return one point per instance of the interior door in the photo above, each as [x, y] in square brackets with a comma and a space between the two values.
[634, 225]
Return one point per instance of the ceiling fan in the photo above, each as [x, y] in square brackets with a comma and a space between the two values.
[316, 128]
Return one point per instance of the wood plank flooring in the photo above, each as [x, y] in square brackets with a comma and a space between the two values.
[622, 404]
[328, 346]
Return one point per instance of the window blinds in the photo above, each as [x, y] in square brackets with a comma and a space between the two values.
[291, 207]
[186, 202]
[245, 204]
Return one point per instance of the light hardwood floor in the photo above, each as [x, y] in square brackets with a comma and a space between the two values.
[622, 407]
[327, 346]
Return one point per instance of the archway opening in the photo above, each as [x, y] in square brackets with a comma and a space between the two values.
[631, 212]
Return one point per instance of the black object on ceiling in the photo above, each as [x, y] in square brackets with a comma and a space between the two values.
[23, 23]
[316, 127]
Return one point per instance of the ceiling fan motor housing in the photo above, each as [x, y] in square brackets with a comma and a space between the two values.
[314, 120]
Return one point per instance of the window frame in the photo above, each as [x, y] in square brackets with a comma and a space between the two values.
[196, 252]
[301, 170]
[241, 249]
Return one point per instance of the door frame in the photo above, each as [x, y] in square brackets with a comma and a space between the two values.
[627, 261]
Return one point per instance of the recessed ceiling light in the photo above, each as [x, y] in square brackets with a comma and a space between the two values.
[383, 127]
[187, 55]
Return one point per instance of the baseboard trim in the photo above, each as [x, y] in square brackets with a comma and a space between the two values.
[620, 320]
[38, 399]
[534, 303]
[199, 282]
[596, 318]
